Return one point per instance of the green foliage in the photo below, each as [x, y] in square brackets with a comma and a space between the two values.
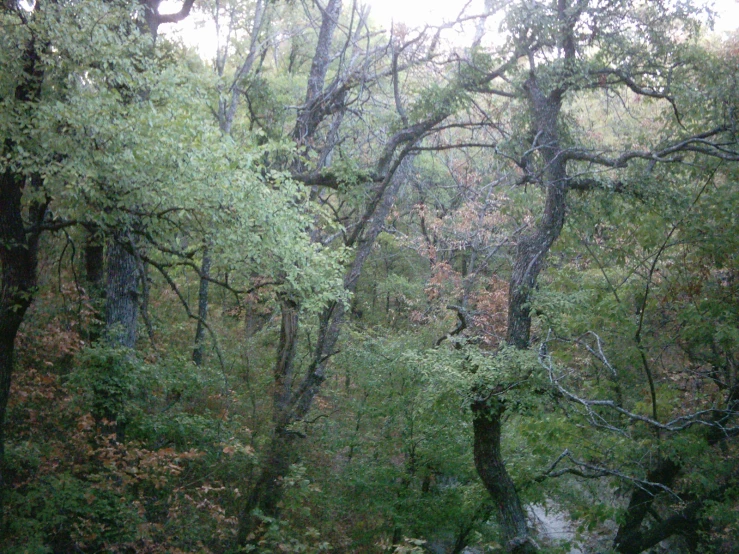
[63, 512]
[638, 306]
[110, 377]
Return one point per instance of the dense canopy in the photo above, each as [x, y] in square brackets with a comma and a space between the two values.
[462, 288]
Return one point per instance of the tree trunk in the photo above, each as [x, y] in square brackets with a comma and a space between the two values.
[486, 421]
[18, 245]
[121, 303]
[312, 114]
[19, 260]
[8, 330]
[197, 353]
[94, 263]
[121, 312]
[95, 279]
[630, 538]
[293, 403]
[530, 256]
[266, 492]
[482, 514]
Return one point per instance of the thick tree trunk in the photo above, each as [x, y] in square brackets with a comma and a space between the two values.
[197, 353]
[19, 261]
[530, 256]
[121, 302]
[121, 311]
[486, 421]
[18, 245]
[95, 279]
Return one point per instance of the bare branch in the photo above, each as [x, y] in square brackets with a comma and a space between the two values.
[163, 271]
[671, 154]
[589, 405]
[591, 471]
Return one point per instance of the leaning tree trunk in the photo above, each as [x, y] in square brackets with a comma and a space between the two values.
[630, 537]
[292, 404]
[633, 536]
[486, 421]
[531, 253]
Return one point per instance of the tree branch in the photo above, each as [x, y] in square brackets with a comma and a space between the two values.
[176, 17]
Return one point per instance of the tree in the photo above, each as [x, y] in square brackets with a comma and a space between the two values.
[568, 49]
[359, 72]
[103, 134]
[418, 217]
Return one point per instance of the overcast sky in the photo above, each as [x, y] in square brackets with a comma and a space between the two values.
[418, 12]
[196, 30]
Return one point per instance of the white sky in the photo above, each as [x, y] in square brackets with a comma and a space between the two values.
[414, 13]
[418, 12]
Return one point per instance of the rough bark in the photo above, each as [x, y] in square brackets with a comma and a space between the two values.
[197, 353]
[532, 249]
[121, 302]
[531, 253]
[311, 115]
[486, 421]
